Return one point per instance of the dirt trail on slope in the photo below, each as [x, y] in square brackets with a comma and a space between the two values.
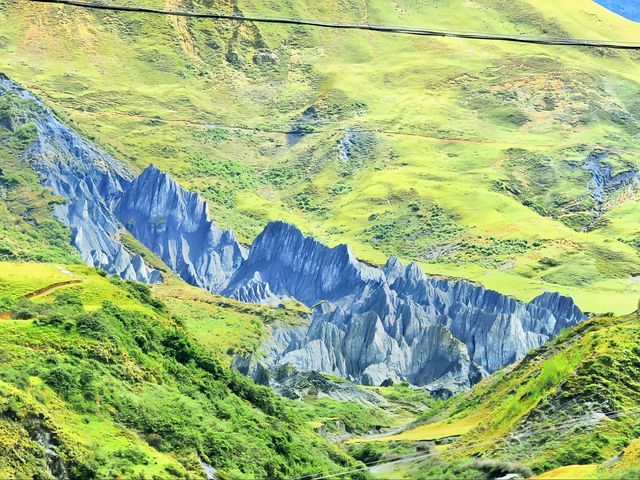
[49, 288]
[194, 123]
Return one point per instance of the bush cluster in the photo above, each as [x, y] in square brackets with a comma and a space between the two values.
[145, 372]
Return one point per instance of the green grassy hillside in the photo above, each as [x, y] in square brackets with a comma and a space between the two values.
[571, 402]
[467, 157]
[98, 379]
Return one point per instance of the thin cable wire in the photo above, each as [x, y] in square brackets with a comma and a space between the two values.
[557, 41]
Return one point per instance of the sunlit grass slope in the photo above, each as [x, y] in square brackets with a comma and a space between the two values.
[576, 472]
[222, 325]
[571, 403]
[467, 157]
[101, 379]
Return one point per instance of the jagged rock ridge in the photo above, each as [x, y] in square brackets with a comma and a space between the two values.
[604, 186]
[373, 325]
[102, 196]
[297, 385]
[175, 225]
[370, 325]
[90, 181]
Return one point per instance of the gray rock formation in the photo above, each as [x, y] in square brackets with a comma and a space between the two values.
[89, 180]
[604, 186]
[284, 264]
[174, 224]
[370, 325]
[102, 195]
[298, 385]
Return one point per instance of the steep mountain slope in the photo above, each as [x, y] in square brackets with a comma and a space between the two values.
[455, 168]
[573, 401]
[474, 159]
[28, 232]
[97, 380]
[72, 168]
[100, 197]
[419, 329]
[375, 326]
[175, 225]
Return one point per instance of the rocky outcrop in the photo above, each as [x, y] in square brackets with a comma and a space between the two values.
[102, 197]
[88, 179]
[174, 224]
[284, 264]
[372, 325]
[291, 383]
[604, 187]
[369, 325]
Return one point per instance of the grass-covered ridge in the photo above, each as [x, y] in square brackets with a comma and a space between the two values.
[571, 402]
[121, 389]
[222, 325]
[28, 231]
[467, 157]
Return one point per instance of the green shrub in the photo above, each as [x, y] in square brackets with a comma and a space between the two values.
[625, 474]
[68, 298]
[141, 292]
[178, 346]
[144, 373]
[24, 309]
[367, 452]
[7, 303]
[93, 324]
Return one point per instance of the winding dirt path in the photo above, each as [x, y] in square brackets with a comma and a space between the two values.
[49, 288]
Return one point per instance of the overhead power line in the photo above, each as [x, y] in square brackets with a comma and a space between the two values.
[418, 31]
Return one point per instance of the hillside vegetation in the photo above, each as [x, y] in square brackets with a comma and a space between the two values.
[571, 402]
[512, 165]
[475, 159]
[98, 380]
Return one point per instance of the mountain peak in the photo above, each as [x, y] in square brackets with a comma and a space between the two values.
[88, 178]
[164, 182]
[279, 227]
[152, 170]
[175, 224]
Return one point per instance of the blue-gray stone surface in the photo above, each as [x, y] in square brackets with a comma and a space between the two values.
[369, 325]
[90, 181]
[375, 325]
[175, 225]
[102, 196]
